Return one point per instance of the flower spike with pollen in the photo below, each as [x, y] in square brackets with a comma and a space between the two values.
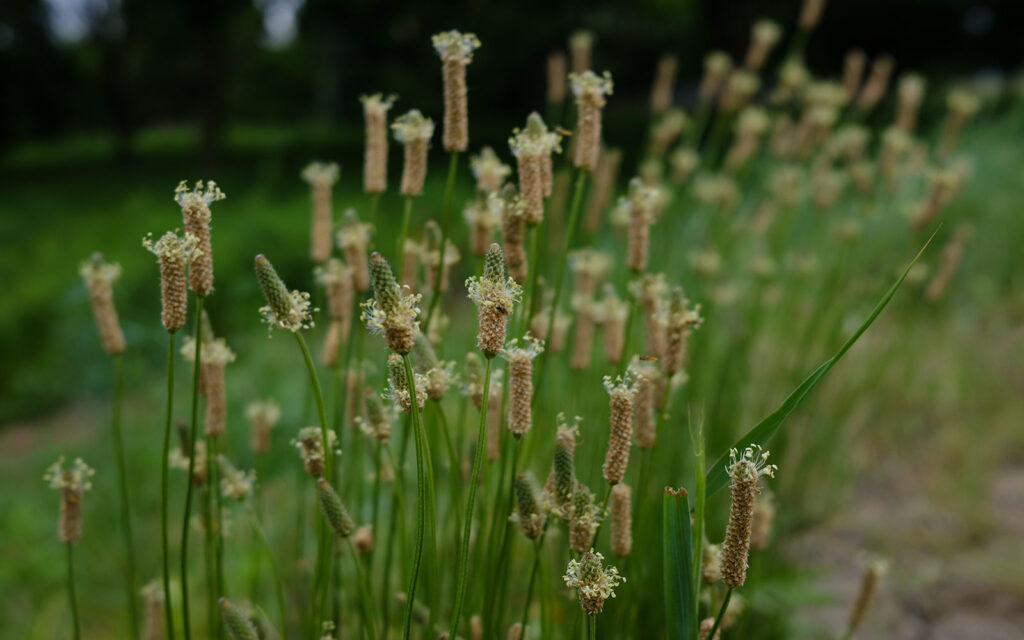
[195, 211]
[414, 132]
[520, 371]
[745, 470]
[590, 90]
[456, 51]
[99, 277]
[173, 253]
[375, 158]
[593, 582]
[495, 295]
[389, 312]
[289, 310]
[72, 481]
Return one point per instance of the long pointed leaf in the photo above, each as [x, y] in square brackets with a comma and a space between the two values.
[717, 477]
[677, 565]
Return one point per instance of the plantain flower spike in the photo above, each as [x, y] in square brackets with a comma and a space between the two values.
[99, 277]
[195, 211]
[321, 177]
[334, 511]
[530, 513]
[388, 312]
[590, 90]
[495, 295]
[72, 482]
[594, 583]
[375, 158]
[532, 146]
[745, 470]
[456, 52]
[238, 625]
[520, 371]
[286, 310]
[488, 169]
[173, 254]
[414, 132]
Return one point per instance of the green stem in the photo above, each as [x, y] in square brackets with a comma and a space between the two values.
[364, 590]
[321, 408]
[478, 463]
[592, 626]
[189, 490]
[374, 205]
[217, 537]
[624, 356]
[71, 592]
[533, 578]
[454, 463]
[421, 494]
[404, 232]
[165, 547]
[446, 206]
[398, 517]
[206, 506]
[501, 521]
[375, 510]
[278, 586]
[574, 214]
[126, 517]
[721, 614]
[700, 491]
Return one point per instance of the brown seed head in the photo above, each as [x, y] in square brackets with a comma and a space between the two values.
[321, 178]
[583, 519]
[581, 45]
[645, 402]
[664, 83]
[745, 471]
[717, 65]
[389, 313]
[375, 158]
[810, 14]
[681, 320]
[593, 582]
[520, 370]
[414, 132]
[622, 519]
[495, 297]
[874, 569]
[309, 442]
[72, 482]
[622, 392]
[490, 172]
[602, 188]
[456, 51]
[99, 277]
[195, 211]
[590, 90]
[557, 88]
[263, 416]
[173, 253]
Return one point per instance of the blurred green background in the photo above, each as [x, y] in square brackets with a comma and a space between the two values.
[107, 105]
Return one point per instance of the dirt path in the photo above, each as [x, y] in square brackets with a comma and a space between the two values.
[950, 577]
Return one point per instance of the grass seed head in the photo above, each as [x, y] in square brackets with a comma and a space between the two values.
[622, 392]
[520, 370]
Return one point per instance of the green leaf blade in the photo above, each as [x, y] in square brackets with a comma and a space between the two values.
[677, 546]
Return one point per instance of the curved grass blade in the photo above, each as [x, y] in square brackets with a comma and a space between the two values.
[677, 549]
[767, 428]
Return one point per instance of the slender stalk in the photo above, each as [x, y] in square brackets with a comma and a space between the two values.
[624, 358]
[700, 491]
[533, 578]
[191, 465]
[278, 586]
[503, 556]
[374, 205]
[398, 518]
[446, 207]
[721, 614]
[364, 590]
[217, 532]
[71, 592]
[320, 407]
[126, 517]
[206, 506]
[375, 512]
[404, 231]
[453, 462]
[164, 479]
[421, 494]
[574, 214]
[478, 462]
[592, 626]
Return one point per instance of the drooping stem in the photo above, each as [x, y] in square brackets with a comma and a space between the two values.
[446, 206]
[721, 613]
[191, 464]
[278, 586]
[164, 479]
[462, 566]
[71, 592]
[574, 214]
[364, 590]
[126, 516]
[421, 494]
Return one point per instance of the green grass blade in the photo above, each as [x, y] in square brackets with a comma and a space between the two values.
[677, 548]
[767, 428]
